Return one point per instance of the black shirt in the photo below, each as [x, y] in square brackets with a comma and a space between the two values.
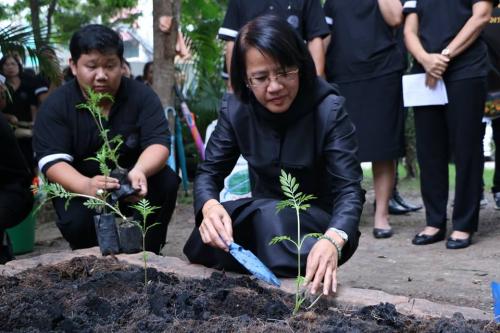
[64, 133]
[305, 16]
[491, 35]
[22, 100]
[439, 22]
[13, 167]
[363, 45]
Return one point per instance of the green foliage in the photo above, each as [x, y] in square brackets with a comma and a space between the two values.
[144, 208]
[70, 15]
[109, 151]
[297, 201]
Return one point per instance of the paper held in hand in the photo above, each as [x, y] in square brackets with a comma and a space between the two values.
[416, 93]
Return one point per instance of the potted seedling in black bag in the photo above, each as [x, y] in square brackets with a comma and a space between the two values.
[128, 234]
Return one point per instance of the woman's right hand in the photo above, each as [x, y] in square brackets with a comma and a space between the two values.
[435, 64]
[97, 183]
[216, 229]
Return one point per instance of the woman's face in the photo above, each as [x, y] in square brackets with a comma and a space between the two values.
[274, 87]
[10, 68]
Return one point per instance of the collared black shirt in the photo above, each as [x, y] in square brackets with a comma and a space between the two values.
[65, 133]
[305, 16]
[439, 21]
[363, 45]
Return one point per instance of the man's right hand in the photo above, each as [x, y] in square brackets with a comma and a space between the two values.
[103, 183]
[216, 229]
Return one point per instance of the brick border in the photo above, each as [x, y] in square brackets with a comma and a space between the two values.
[346, 297]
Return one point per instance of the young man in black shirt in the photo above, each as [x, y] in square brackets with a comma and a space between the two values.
[66, 136]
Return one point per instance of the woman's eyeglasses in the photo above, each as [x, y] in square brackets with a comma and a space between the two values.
[261, 81]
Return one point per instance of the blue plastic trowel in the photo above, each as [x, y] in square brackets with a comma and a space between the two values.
[253, 264]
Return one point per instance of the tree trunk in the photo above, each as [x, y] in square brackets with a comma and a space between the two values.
[35, 22]
[164, 50]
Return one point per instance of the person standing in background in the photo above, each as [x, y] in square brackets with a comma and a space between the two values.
[444, 38]
[364, 59]
[305, 16]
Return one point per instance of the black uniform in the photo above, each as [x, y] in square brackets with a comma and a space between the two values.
[491, 35]
[16, 199]
[23, 99]
[65, 133]
[455, 126]
[326, 166]
[305, 16]
[364, 59]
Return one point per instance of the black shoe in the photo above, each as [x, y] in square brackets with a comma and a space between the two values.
[454, 244]
[402, 202]
[429, 239]
[496, 198]
[382, 233]
[394, 208]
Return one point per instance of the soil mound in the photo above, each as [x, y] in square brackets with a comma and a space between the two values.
[88, 294]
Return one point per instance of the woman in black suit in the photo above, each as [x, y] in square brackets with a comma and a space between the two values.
[283, 118]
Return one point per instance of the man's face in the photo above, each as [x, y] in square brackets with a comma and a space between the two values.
[101, 72]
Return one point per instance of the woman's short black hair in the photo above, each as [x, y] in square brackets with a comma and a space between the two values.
[275, 38]
[145, 69]
[16, 59]
[95, 37]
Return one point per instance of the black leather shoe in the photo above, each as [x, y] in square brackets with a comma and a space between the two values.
[394, 208]
[429, 239]
[454, 243]
[382, 233]
[402, 202]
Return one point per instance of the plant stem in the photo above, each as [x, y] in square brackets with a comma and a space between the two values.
[100, 200]
[297, 294]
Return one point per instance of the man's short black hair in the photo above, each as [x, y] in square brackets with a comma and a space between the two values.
[95, 37]
[275, 38]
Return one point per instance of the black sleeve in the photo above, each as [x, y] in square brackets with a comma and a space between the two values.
[344, 169]
[152, 121]
[328, 11]
[52, 135]
[232, 21]
[41, 86]
[314, 21]
[410, 6]
[221, 155]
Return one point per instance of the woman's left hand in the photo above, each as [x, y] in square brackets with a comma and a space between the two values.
[321, 266]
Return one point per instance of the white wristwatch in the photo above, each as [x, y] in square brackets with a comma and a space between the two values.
[342, 234]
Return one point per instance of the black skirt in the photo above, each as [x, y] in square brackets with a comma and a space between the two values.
[375, 107]
[255, 223]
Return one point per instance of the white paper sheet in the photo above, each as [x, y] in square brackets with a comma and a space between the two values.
[416, 93]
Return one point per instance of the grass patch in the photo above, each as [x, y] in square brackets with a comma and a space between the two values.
[413, 184]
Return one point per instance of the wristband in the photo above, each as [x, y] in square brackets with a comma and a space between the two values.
[337, 246]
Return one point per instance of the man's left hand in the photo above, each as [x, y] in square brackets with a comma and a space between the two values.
[139, 182]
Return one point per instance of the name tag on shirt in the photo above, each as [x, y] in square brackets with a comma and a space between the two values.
[416, 93]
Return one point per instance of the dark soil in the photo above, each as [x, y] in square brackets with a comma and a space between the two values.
[101, 295]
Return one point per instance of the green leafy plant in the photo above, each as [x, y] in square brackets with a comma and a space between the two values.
[144, 208]
[297, 201]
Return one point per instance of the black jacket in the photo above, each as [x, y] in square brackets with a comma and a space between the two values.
[318, 148]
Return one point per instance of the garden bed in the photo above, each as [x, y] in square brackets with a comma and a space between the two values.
[103, 295]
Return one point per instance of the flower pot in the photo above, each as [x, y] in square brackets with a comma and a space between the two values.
[107, 234]
[130, 237]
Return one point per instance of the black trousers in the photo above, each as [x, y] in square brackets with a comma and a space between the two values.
[452, 128]
[77, 225]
